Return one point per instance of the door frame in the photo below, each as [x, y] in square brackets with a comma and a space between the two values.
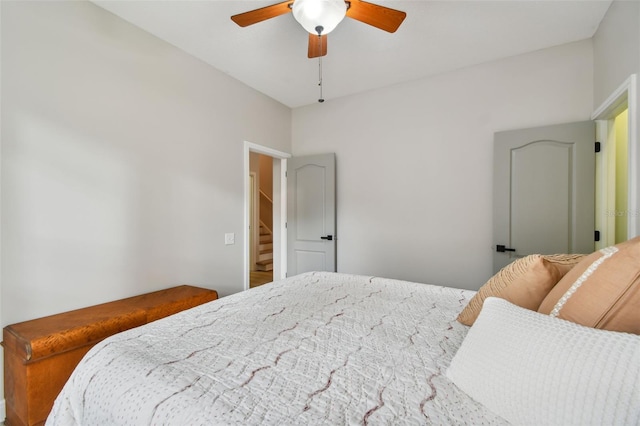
[253, 223]
[624, 97]
[279, 210]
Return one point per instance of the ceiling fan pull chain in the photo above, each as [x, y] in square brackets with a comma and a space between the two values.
[319, 30]
[320, 78]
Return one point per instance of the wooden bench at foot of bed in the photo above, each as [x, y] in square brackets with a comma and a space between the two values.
[40, 355]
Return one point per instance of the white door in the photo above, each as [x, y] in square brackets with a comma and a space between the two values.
[544, 181]
[311, 214]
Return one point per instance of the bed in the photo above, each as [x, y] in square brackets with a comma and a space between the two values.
[337, 349]
[319, 348]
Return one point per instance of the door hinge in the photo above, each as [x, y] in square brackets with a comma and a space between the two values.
[285, 225]
[596, 235]
[286, 174]
[598, 147]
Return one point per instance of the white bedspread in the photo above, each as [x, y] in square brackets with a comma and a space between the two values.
[318, 348]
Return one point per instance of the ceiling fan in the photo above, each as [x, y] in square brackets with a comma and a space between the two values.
[319, 17]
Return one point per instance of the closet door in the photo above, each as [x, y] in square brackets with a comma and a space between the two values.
[311, 214]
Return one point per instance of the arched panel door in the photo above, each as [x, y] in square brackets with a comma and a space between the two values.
[311, 214]
[544, 202]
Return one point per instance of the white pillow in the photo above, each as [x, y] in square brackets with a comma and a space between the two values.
[531, 368]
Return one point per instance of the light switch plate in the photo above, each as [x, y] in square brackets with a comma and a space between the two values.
[230, 238]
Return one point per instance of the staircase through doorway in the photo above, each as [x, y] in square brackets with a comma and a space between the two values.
[261, 216]
[264, 266]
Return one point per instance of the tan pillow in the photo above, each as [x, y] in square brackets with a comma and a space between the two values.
[602, 291]
[524, 282]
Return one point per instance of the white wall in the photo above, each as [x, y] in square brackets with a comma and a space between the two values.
[616, 48]
[616, 51]
[122, 163]
[414, 161]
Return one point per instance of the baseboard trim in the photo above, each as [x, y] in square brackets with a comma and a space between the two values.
[3, 410]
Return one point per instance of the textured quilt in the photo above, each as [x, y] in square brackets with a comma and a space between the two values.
[318, 348]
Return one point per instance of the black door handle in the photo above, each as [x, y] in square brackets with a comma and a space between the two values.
[501, 249]
[328, 237]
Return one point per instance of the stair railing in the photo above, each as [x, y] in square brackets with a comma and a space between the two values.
[266, 211]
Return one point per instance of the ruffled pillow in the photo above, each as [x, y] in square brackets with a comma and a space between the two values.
[524, 282]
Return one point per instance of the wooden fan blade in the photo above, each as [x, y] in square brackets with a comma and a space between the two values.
[262, 14]
[385, 18]
[317, 47]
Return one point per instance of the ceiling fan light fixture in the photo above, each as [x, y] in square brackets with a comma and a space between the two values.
[312, 14]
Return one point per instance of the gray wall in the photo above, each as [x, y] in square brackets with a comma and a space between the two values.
[122, 161]
[616, 49]
[414, 161]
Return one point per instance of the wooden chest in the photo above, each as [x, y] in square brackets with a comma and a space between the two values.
[40, 355]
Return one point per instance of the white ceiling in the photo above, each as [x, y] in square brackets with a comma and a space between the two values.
[436, 36]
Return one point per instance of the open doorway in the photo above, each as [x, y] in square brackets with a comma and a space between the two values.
[265, 238]
[617, 178]
[261, 219]
[617, 166]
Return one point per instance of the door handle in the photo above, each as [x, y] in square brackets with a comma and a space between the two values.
[501, 249]
[328, 238]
